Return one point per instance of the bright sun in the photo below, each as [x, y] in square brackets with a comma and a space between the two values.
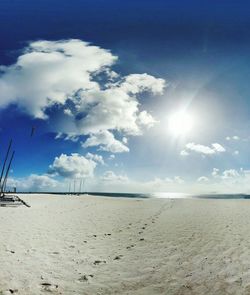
[180, 123]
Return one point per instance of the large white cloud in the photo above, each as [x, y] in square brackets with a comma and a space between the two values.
[73, 166]
[48, 72]
[114, 108]
[33, 182]
[67, 74]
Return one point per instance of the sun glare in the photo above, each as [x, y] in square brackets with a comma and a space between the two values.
[180, 123]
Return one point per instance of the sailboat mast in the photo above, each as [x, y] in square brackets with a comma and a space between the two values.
[7, 173]
[5, 160]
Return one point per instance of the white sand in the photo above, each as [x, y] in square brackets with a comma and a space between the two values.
[61, 245]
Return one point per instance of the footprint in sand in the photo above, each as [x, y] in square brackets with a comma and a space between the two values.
[85, 278]
[47, 287]
[96, 262]
[118, 257]
[131, 246]
[12, 291]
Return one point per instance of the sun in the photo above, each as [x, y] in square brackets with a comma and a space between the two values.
[180, 123]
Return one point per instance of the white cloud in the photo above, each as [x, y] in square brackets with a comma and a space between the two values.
[236, 152]
[110, 109]
[71, 136]
[215, 172]
[110, 176]
[95, 157]
[145, 119]
[218, 148]
[73, 166]
[203, 179]
[125, 140]
[227, 174]
[136, 83]
[231, 173]
[178, 179]
[163, 182]
[234, 137]
[184, 153]
[202, 149]
[48, 72]
[106, 141]
[65, 73]
[68, 112]
[33, 182]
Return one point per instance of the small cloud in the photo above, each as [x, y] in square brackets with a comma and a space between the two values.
[106, 142]
[231, 173]
[236, 153]
[70, 136]
[227, 174]
[111, 176]
[205, 150]
[68, 112]
[95, 157]
[125, 140]
[215, 172]
[234, 137]
[203, 179]
[184, 153]
[178, 179]
[218, 147]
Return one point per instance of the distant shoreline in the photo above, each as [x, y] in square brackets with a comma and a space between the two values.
[147, 196]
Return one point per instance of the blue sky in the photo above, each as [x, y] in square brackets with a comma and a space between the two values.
[91, 123]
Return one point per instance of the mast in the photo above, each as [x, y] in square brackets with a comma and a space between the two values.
[7, 173]
[4, 164]
[80, 191]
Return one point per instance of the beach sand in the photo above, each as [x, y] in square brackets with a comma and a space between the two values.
[99, 245]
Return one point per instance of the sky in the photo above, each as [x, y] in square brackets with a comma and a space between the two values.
[126, 96]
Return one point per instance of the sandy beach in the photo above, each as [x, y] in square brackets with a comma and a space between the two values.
[100, 245]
